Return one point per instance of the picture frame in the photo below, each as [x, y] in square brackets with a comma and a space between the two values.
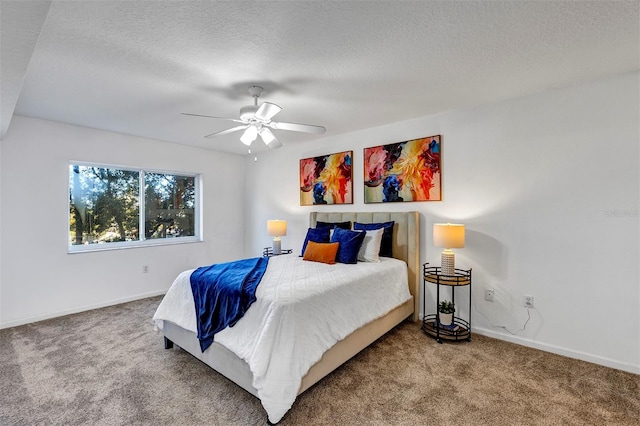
[327, 179]
[403, 171]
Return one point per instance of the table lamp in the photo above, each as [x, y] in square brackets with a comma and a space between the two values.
[448, 235]
[277, 229]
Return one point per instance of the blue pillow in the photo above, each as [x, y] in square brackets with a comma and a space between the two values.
[350, 242]
[331, 225]
[317, 235]
[386, 247]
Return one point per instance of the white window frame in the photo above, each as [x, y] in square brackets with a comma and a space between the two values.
[142, 241]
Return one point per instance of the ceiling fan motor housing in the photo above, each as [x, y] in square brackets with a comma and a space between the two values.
[248, 112]
[255, 91]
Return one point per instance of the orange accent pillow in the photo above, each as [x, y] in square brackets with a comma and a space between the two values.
[321, 252]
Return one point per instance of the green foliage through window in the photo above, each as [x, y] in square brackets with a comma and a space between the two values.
[104, 205]
[169, 205]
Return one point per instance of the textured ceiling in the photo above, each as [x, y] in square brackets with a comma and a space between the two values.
[133, 66]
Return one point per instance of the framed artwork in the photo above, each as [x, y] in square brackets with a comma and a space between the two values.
[403, 171]
[326, 179]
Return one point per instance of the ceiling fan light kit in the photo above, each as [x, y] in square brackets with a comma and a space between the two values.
[249, 135]
[256, 120]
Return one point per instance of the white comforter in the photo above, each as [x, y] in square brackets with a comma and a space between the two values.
[302, 309]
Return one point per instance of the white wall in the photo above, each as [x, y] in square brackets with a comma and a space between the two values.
[1, 239]
[39, 279]
[548, 188]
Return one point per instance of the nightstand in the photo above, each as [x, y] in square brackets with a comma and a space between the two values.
[459, 329]
[268, 252]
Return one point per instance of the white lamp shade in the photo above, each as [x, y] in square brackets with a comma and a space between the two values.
[277, 228]
[448, 235]
[267, 135]
[249, 135]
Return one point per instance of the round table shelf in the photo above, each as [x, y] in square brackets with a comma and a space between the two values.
[458, 330]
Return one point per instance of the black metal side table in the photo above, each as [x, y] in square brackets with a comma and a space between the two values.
[268, 252]
[459, 329]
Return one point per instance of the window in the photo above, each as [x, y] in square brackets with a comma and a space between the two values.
[105, 213]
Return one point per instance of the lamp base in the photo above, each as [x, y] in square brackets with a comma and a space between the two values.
[447, 260]
[277, 246]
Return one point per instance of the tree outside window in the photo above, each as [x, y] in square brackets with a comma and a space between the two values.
[104, 205]
[169, 205]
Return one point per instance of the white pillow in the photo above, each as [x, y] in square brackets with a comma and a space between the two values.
[370, 248]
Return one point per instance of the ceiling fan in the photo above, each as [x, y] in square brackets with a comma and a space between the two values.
[256, 120]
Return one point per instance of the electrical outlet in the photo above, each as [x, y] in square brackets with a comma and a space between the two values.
[145, 269]
[488, 295]
[527, 301]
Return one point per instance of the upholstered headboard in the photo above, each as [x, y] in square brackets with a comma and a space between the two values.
[406, 239]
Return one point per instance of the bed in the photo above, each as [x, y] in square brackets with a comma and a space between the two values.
[240, 366]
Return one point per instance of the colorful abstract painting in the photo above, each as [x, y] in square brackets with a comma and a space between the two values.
[326, 179]
[403, 171]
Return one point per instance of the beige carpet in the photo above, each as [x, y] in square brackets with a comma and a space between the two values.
[108, 367]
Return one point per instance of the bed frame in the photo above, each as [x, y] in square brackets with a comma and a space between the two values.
[405, 247]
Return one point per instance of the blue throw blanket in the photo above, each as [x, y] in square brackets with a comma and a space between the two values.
[222, 294]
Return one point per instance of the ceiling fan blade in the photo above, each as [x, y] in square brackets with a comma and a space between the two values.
[270, 139]
[226, 132]
[211, 116]
[307, 128]
[267, 110]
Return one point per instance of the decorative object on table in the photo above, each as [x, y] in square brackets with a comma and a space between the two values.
[448, 235]
[326, 179]
[277, 229]
[403, 171]
[445, 312]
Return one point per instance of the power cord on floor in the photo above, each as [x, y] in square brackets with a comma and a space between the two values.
[524, 326]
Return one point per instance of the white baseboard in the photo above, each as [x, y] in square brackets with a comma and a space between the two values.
[607, 362]
[23, 321]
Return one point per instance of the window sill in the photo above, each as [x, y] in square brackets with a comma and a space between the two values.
[88, 248]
